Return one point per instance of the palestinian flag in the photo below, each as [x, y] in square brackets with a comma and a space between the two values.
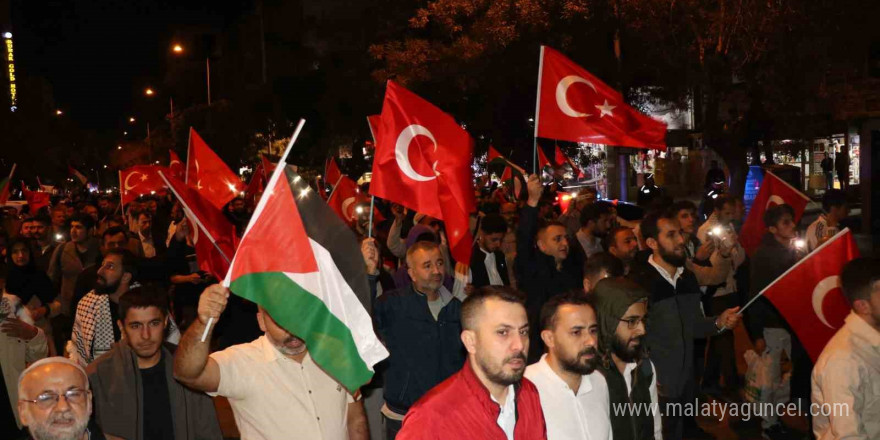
[513, 175]
[303, 265]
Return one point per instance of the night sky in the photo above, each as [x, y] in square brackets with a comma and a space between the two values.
[98, 55]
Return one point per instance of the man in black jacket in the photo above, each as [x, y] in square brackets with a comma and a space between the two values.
[488, 266]
[544, 266]
[676, 317]
[767, 328]
[421, 327]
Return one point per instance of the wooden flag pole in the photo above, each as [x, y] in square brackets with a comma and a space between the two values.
[537, 113]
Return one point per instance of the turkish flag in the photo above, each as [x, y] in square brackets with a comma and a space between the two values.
[140, 180]
[35, 199]
[207, 173]
[212, 225]
[423, 161]
[332, 173]
[774, 191]
[175, 166]
[343, 198]
[808, 295]
[561, 158]
[576, 106]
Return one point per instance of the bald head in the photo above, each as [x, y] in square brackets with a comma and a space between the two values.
[54, 401]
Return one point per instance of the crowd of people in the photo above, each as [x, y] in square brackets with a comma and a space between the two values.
[566, 324]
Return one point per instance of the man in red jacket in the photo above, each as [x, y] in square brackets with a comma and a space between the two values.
[488, 398]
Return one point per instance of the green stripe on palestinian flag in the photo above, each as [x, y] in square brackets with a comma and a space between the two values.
[303, 265]
[513, 174]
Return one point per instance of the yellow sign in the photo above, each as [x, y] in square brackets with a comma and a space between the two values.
[10, 68]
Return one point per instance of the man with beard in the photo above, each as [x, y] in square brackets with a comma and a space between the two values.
[421, 326]
[44, 245]
[55, 402]
[544, 265]
[622, 309]
[710, 264]
[622, 243]
[573, 395]
[135, 394]
[595, 224]
[674, 300]
[275, 388]
[93, 329]
[488, 399]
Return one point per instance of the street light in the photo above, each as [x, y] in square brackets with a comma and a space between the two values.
[178, 49]
[131, 119]
[149, 92]
[59, 112]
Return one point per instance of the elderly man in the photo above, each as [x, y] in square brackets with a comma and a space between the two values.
[488, 399]
[274, 387]
[55, 402]
[574, 395]
[421, 326]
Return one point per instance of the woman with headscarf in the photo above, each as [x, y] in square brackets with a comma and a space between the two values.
[31, 285]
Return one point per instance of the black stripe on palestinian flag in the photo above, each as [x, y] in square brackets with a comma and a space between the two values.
[323, 226]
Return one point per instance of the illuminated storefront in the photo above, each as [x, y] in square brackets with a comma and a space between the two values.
[10, 71]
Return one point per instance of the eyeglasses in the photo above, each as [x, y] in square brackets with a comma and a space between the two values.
[49, 399]
[632, 323]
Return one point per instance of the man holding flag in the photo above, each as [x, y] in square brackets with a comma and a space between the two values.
[847, 375]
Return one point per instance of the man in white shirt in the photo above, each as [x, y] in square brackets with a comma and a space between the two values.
[274, 387]
[846, 377]
[621, 309]
[835, 209]
[574, 396]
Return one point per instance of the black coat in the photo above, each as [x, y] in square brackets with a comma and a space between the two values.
[538, 277]
[479, 272]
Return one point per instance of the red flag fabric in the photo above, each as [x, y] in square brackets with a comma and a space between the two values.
[6, 186]
[493, 154]
[140, 180]
[268, 166]
[373, 121]
[773, 191]
[576, 106]
[207, 173]
[561, 158]
[343, 198]
[213, 224]
[35, 199]
[175, 166]
[256, 186]
[542, 159]
[332, 173]
[423, 161]
[808, 295]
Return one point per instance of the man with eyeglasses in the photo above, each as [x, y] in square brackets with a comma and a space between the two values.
[622, 310]
[55, 402]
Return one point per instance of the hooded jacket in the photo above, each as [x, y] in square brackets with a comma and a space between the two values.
[613, 298]
[118, 396]
[461, 408]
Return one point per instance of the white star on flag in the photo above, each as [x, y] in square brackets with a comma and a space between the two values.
[606, 109]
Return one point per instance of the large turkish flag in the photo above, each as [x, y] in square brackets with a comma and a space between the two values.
[208, 174]
[576, 106]
[423, 161]
[808, 295]
[140, 180]
[774, 191]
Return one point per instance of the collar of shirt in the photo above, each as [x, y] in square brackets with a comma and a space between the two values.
[544, 369]
[671, 279]
[863, 331]
[507, 413]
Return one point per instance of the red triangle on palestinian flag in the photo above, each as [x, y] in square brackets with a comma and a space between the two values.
[302, 264]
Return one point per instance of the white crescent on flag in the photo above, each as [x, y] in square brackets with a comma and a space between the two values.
[826, 285]
[774, 199]
[401, 151]
[562, 99]
[127, 186]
